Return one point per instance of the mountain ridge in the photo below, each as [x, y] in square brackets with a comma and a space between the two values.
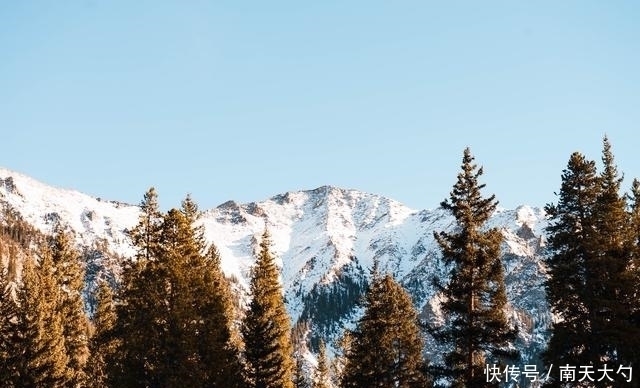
[325, 240]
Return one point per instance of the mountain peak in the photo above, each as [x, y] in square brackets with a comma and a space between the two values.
[324, 241]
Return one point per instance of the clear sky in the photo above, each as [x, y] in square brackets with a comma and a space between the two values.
[247, 99]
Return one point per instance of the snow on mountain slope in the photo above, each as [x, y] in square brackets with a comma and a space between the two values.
[325, 241]
[92, 219]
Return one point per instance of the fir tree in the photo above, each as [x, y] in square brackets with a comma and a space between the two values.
[477, 330]
[266, 329]
[386, 346]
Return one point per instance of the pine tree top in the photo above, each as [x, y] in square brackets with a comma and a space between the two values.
[465, 200]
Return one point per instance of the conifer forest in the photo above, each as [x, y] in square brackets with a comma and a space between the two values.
[172, 317]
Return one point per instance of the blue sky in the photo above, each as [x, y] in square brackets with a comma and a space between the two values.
[246, 99]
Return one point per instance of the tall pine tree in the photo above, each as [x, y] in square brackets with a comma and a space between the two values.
[174, 316]
[220, 353]
[593, 281]
[385, 350]
[140, 324]
[635, 226]
[103, 344]
[610, 279]
[266, 328]
[69, 275]
[571, 228]
[146, 235]
[10, 341]
[477, 330]
[41, 354]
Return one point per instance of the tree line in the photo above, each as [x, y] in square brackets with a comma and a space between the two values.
[172, 321]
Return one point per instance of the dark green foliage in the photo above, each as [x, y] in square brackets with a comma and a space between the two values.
[385, 349]
[610, 274]
[634, 351]
[477, 330]
[593, 281]
[571, 228]
[327, 303]
[266, 328]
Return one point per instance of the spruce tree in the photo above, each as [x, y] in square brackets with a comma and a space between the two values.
[593, 280]
[477, 331]
[266, 328]
[571, 231]
[385, 350]
[610, 279]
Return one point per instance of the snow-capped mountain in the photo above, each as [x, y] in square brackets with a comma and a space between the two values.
[326, 240]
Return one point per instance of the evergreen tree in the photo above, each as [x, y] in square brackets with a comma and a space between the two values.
[635, 227]
[610, 279]
[69, 275]
[140, 324]
[386, 346]
[266, 328]
[189, 208]
[219, 351]
[322, 378]
[477, 330]
[174, 317]
[299, 377]
[593, 281]
[43, 361]
[103, 344]
[570, 231]
[9, 328]
[146, 235]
